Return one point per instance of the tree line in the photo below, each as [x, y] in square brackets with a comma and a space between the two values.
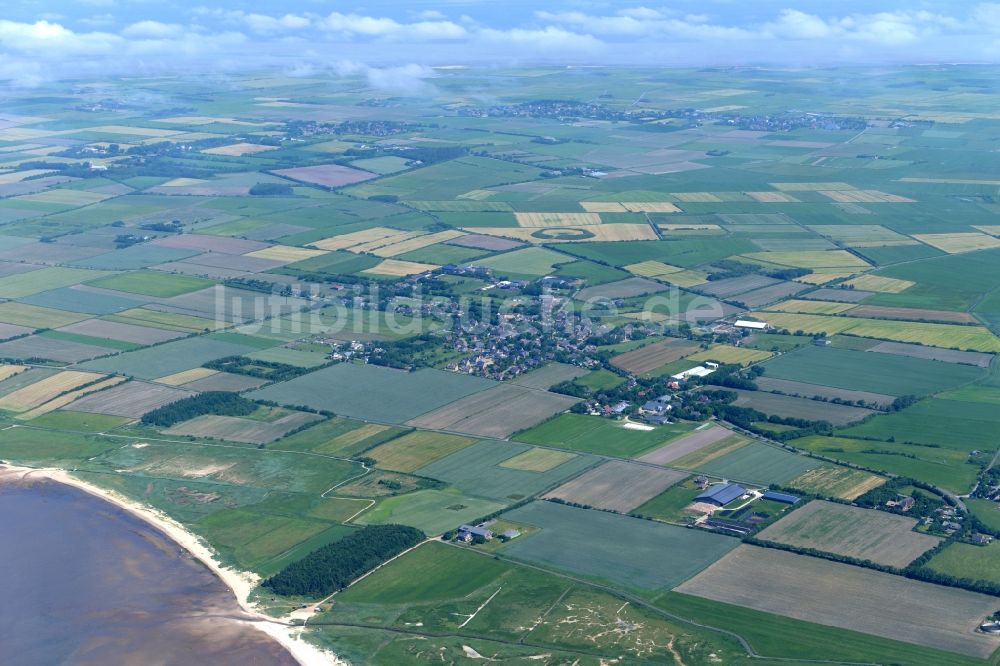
[335, 565]
[222, 403]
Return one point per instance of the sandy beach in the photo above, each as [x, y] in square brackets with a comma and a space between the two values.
[241, 583]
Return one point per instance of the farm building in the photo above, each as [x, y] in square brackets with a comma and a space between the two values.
[721, 494]
[657, 407]
[752, 325]
[469, 532]
[697, 371]
[784, 498]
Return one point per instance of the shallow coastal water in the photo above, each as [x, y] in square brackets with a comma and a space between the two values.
[85, 582]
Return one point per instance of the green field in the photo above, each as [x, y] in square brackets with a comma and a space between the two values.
[965, 560]
[530, 261]
[152, 284]
[759, 463]
[868, 371]
[479, 470]
[590, 434]
[416, 449]
[588, 543]
[391, 396]
[433, 511]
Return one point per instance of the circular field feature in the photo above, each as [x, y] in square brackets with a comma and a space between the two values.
[562, 233]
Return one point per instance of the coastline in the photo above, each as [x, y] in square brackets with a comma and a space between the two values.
[240, 583]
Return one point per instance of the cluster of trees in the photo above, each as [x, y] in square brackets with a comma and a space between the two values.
[270, 370]
[223, 403]
[924, 504]
[729, 268]
[335, 565]
[408, 353]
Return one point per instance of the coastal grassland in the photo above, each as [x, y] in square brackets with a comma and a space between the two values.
[934, 464]
[82, 422]
[757, 463]
[432, 511]
[416, 449]
[51, 448]
[836, 481]
[444, 590]
[867, 371]
[160, 285]
[816, 590]
[588, 543]
[774, 635]
[243, 466]
[592, 434]
[865, 534]
[479, 470]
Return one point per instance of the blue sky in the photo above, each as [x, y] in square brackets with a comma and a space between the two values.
[40, 40]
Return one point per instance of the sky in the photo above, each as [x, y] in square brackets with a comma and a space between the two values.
[42, 40]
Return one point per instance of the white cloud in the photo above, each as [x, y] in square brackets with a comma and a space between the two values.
[152, 30]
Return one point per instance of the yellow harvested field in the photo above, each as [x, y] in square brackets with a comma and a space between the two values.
[696, 197]
[772, 197]
[18, 176]
[811, 187]
[812, 307]
[398, 237]
[602, 232]
[728, 354]
[822, 277]
[556, 219]
[286, 253]
[8, 371]
[956, 243]
[184, 182]
[538, 460]
[991, 229]
[842, 482]
[356, 238]
[811, 259]
[603, 207]
[186, 376]
[650, 207]
[42, 391]
[863, 196]
[397, 268]
[948, 336]
[411, 244]
[65, 399]
[884, 243]
[686, 278]
[238, 149]
[652, 268]
[881, 284]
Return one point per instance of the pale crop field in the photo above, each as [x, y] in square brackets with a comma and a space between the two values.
[772, 197]
[44, 390]
[842, 482]
[956, 243]
[650, 207]
[811, 187]
[556, 219]
[186, 376]
[286, 253]
[811, 307]
[617, 486]
[811, 259]
[239, 149]
[397, 268]
[881, 284]
[345, 241]
[841, 595]
[729, 354]
[865, 534]
[538, 460]
[66, 398]
[976, 338]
